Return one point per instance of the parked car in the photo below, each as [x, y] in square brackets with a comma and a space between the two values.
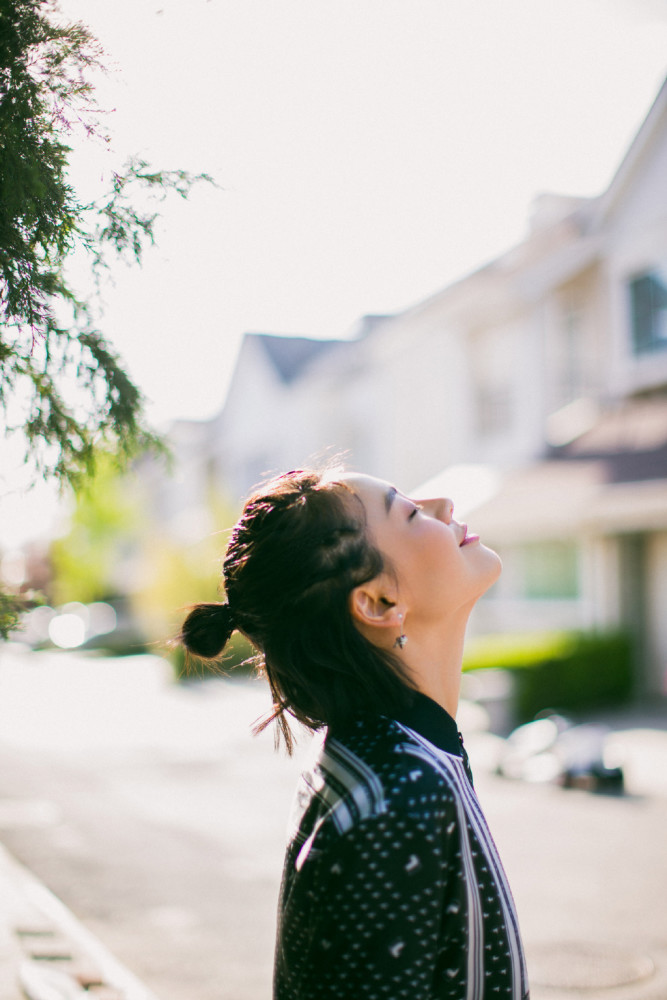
[555, 749]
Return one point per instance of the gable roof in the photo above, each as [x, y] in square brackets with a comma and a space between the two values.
[634, 154]
[290, 355]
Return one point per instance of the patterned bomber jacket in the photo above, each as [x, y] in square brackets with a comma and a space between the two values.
[392, 886]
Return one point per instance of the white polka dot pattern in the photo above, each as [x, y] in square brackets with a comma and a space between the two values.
[392, 886]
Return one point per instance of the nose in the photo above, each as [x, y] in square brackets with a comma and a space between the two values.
[442, 508]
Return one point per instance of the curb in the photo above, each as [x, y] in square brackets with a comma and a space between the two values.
[46, 954]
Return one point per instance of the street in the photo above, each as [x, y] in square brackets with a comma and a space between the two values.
[150, 809]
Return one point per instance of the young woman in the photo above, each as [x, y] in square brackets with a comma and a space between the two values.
[357, 598]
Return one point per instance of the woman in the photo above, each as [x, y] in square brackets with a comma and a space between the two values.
[357, 599]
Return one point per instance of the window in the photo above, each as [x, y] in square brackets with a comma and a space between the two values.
[648, 306]
[550, 570]
[569, 364]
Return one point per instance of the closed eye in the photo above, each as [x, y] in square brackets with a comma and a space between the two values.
[413, 513]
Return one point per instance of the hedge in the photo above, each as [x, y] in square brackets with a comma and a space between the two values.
[564, 671]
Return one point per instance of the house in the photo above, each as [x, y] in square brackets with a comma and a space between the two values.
[533, 391]
[290, 400]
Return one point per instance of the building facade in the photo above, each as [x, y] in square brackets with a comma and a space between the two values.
[533, 391]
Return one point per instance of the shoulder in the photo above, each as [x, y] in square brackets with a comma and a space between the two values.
[382, 767]
[375, 782]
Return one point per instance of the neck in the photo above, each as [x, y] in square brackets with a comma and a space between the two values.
[434, 658]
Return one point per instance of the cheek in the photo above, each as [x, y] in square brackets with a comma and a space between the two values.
[474, 566]
[442, 555]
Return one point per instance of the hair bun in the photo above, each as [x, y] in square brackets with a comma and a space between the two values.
[207, 629]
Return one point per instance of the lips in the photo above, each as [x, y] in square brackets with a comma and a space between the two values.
[467, 539]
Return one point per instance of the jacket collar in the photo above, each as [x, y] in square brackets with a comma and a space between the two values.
[431, 721]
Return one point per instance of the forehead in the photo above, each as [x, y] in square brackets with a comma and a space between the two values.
[375, 494]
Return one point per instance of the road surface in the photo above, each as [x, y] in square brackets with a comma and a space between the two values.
[153, 813]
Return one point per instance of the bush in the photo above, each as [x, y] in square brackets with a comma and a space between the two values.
[566, 672]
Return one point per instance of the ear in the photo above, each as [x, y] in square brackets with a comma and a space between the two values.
[373, 606]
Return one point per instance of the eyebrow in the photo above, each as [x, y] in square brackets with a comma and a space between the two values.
[389, 498]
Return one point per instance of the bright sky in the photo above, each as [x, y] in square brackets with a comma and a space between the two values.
[368, 152]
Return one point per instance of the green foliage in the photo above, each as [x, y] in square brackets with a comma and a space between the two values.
[11, 606]
[61, 384]
[114, 544]
[567, 671]
[178, 572]
[105, 528]
[513, 650]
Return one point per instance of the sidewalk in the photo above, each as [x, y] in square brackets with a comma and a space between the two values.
[45, 953]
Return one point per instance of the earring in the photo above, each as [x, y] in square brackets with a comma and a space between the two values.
[402, 638]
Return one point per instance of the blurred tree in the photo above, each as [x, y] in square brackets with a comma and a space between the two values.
[182, 567]
[105, 530]
[11, 606]
[61, 384]
[177, 575]
[116, 548]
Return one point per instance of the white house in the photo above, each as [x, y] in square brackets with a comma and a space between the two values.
[534, 391]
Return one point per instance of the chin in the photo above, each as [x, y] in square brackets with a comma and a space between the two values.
[494, 563]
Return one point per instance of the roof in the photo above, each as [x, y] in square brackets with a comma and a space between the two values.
[368, 324]
[634, 153]
[631, 441]
[290, 355]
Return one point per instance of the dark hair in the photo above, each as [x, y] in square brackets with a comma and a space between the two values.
[298, 550]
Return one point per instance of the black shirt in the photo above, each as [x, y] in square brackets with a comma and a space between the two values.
[392, 886]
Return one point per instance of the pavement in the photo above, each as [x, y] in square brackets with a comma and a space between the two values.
[47, 954]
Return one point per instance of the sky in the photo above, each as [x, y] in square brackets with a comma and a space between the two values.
[366, 153]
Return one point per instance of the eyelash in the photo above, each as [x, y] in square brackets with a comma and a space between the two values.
[414, 512]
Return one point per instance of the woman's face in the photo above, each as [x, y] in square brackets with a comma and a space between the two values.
[438, 566]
